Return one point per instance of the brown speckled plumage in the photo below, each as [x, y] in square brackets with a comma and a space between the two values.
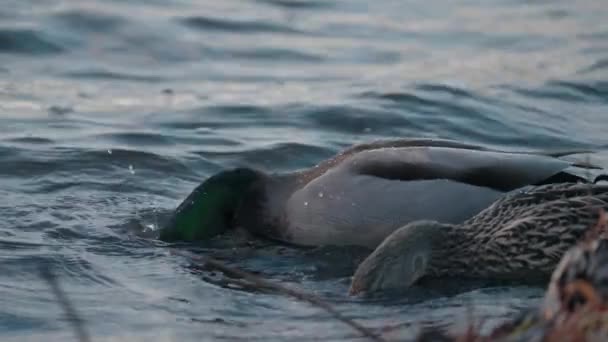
[521, 236]
[523, 233]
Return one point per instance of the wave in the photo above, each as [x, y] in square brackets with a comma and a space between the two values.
[236, 26]
[28, 42]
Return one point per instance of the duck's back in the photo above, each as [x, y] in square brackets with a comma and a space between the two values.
[543, 201]
[365, 193]
[363, 210]
[529, 231]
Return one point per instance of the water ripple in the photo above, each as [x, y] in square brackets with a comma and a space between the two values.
[567, 90]
[108, 119]
[237, 26]
[442, 88]
[298, 4]
[277, 156]
[589, 90]
[275, 55]
[100, 162]
[27, 42]
[89, 21]
[111, 75]
[357, 120]
[137, 138]
[31, 140]
[14, 245]
[596, 66]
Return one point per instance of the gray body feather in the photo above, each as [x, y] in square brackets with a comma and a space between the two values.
[364, 194]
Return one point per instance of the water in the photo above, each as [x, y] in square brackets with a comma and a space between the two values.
[112, 111]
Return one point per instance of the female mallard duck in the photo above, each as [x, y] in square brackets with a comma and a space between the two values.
[363, 194]
[522, 235]
[581, 277]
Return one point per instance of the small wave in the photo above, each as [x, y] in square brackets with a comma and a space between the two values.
[568, 90]
[90, 21]
[111, 75]
[460, 115]
[298, 4]
[399, 97]
[357, 120]
[139, 160]
[137, 138]
[247, 53]
[594, 36]
[242, 110]
[217, 321]
[65, 234]
[276, 157]
[441, 88]
[599, 65]
[220, 116]
[67, 161]
[276, 55]
[27, 41]
[8, 152]
[22, 323]
[52, 186]
[14, 245]
[72, 266]
[60, 110]
[237, 26]
[597, 90]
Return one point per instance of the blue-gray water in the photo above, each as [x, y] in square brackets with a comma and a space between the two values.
[112, 111]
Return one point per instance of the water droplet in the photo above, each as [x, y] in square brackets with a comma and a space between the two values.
[306, 204]
[320, 195]
[131, 169]
[109, 151]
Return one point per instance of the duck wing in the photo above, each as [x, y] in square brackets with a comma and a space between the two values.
[431, 142]
[399, 143]
[502, 171]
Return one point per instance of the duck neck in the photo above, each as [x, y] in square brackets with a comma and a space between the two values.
[261, 210]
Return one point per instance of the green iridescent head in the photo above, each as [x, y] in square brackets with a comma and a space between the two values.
[209, 209]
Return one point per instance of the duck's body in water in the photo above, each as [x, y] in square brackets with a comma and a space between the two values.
[363, 194]
[522, 235]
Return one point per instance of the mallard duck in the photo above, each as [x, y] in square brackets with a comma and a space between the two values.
[581, 277]
[363, 194]
[574, 306]
[522, 235]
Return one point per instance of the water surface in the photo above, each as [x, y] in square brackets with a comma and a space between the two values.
[112, 111]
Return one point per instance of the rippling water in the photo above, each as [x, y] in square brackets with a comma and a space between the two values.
[112, 111]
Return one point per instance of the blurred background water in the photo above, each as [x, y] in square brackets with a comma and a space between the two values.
[112, 111]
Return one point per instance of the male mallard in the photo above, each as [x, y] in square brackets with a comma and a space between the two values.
[363, 194]
[522, 235]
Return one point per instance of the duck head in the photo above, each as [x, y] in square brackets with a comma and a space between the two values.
[209, 210]
[401, 259]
